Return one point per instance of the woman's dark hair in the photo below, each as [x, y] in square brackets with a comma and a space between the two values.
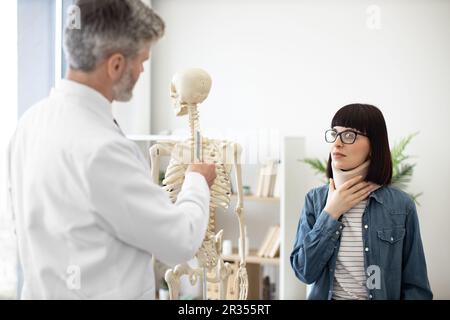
[369, 120]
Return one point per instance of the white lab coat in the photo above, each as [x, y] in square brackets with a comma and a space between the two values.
[88, 218]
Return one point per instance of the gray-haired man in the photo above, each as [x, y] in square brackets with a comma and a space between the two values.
[88, 217]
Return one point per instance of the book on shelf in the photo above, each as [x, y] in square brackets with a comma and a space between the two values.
[274, 247]
[265, 243]
[271, 243]
[277, 183]
[267, 179]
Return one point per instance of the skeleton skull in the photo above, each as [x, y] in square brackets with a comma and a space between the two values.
[189, 88]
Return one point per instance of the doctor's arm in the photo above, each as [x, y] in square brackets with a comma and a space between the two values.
[137, 211]
[8, 187]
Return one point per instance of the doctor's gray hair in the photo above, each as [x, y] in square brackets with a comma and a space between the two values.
[107, 27]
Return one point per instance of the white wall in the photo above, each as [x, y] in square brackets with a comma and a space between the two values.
[289, 65]
[8, 118]
[36, 37]
[134, 116]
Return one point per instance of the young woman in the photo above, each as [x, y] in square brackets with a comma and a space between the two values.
[358, 237]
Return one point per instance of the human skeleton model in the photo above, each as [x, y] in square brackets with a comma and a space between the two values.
[188, 89]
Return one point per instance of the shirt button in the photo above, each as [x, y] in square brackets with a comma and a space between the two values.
[366, 226]
[337, 232]
[341, 227]
[370, 296]
[392, 239]
[367, 249]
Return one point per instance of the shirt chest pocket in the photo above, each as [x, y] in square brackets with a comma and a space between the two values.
[390, 243]
[391, 235]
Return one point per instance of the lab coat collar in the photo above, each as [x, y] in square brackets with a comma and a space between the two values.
[86, 96]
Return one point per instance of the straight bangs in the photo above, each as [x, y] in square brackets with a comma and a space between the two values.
[354, 116]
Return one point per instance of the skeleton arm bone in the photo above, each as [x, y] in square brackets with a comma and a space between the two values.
[239, 210]
[241, 277]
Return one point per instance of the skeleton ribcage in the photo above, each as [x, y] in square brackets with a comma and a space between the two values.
[213, 151]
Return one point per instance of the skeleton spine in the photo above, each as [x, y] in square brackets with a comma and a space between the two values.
[195, 134]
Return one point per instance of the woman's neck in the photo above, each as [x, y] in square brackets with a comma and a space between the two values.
[341, 176]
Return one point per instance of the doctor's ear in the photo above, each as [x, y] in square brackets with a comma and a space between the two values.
[116, 65]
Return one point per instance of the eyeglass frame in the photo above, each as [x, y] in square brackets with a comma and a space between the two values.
[338, 135]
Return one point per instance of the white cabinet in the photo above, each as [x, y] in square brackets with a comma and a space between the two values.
[293, 190]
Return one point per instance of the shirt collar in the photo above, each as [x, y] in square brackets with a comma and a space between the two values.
[377, 195]
[86, 96]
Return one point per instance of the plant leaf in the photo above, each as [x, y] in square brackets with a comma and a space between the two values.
[316, 164]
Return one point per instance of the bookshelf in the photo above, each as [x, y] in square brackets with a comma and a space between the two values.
[261, 213]
[255, 270]
[253, 258]
[259, 199]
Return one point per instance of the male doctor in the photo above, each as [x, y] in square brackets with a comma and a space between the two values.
[88, 217]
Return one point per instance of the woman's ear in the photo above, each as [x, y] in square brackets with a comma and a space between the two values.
[116, 66]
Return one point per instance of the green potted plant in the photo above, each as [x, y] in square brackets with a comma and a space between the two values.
[401, 171]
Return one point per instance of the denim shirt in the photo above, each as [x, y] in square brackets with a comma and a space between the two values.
[393, 254]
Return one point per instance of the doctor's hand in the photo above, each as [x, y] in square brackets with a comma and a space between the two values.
[207, 170]
[345, 197]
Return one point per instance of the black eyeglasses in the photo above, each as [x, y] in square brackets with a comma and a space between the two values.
[347, 136]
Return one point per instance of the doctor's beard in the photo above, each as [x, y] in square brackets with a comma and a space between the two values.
[123, 90]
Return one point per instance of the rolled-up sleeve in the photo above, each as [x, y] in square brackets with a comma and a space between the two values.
[315, 241]
[138, 212]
